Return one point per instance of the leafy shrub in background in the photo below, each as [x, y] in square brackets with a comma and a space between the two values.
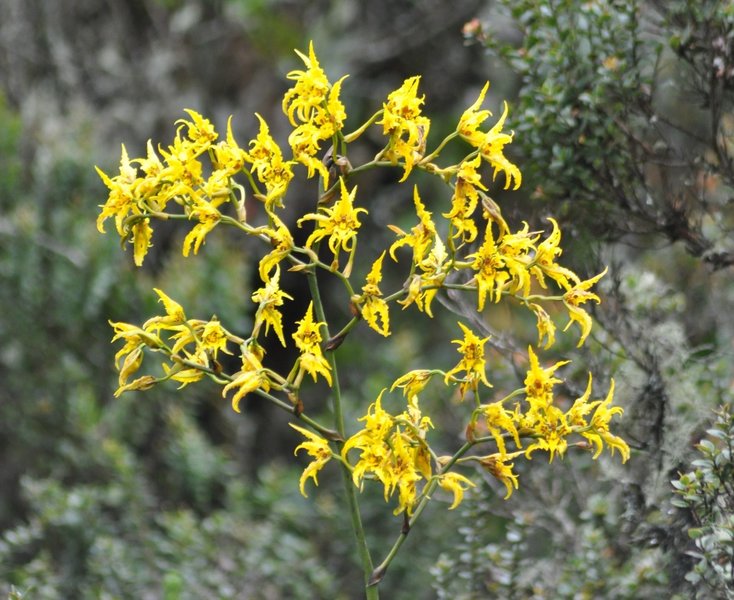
[707, 496]
[624, 115]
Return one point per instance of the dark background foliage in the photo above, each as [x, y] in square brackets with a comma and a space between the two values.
[623, 129]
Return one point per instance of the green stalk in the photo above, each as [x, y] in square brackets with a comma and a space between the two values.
[381, 569]
[371, 592]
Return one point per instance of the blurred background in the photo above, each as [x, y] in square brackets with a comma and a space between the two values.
[622, 112]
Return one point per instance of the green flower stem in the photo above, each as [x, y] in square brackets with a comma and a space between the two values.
[223, 378]
[437, 151]
[351, 493]
[379, 572]
[347, 328]
[325, 431]
[371, 165]
[350, 137]
[334, 271]
[539, 297]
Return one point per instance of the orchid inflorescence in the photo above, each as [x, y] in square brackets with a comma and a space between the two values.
[206, 180]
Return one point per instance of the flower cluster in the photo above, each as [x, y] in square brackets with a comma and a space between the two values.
[314, 110]
[393, 450]
[407, 128]
[146, 187]
[464, 245]
[541, 421]
[191, 345]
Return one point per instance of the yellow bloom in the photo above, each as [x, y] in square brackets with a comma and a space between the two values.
[371, 442]
[140, 384]
[539, 382]
[315, 103]
[499, 421]
[489, 265]
[412, 383]
[269, 167]
[130, 365]
[316, 447]
[304, 142]
[142, 232]
[209, 336]
[425, 285]
[214, 338]
[544, 262]
[472, 363]
[403, 473]
[308, 341]
[543, 420]
[551, 430]
[199, 130]
[396, 456]
[312, 93]
[249, 378]
[407, 128]
[183, 165]
[135, 337]
[492, 148]
[175, 315]
[577, 295]
[374, 309]
[472, 119]
[122, 199]
[599, 431]
[269, 298]
[228, 156]
[497, 465]
[154, 187]
[217, 189]
[340, 223]
[186, 374]
[456, 484]
[282, 242]
[310, 90]
[465, 199]
[421, 236]
[516, 250]
[546, 327]
[130, 357]
[490, 144]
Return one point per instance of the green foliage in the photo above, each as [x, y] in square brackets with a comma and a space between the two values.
[581, 83]
[707, 495]
[10, 161]
[111, 540]
[623, 114]
[530, 557]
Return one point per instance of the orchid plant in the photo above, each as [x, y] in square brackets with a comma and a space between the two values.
[205, 180]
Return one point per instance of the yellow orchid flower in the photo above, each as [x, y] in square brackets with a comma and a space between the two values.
[456, 484]
[340, 223]
[498, 467]
[472, 363]
[577, 295]
[269, 298]
[308, 341]
[316, 447]
[374, 309]
[407, 128]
